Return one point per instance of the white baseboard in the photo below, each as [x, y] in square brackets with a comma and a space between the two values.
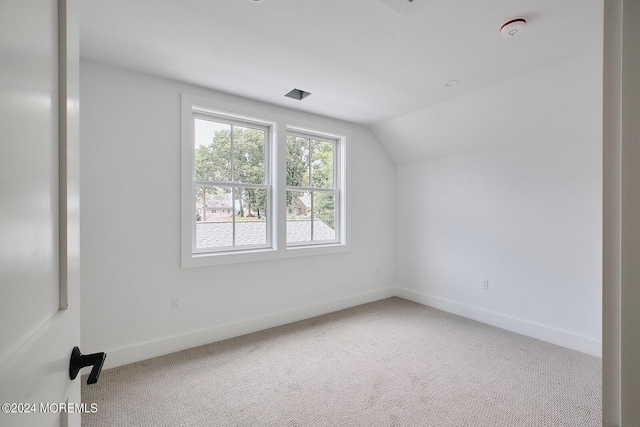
[143, 351]
[513, 324]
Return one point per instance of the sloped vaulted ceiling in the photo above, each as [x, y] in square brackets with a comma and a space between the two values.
[362, 60]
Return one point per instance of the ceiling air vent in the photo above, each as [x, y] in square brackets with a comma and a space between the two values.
[298, 94]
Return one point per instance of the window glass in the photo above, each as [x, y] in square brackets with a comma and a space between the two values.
[231, 190]
[251, 223]
[322, 163]
[213, 151]
[248, 155]
[297, 161]
[299, 216]
[231, 204]
[324, 216]
[214, 217]
[311, 192]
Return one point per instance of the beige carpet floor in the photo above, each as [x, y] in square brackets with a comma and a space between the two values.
[389, 363]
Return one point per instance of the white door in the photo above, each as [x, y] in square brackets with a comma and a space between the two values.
[39, 221]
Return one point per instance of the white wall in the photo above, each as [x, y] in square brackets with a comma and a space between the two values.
[130, 216]
[527, 216]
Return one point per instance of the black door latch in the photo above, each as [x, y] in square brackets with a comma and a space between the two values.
[79, 361]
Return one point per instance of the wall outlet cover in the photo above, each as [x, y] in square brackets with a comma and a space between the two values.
[176, 303]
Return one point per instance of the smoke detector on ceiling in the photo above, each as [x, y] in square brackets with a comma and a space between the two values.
[513, 28]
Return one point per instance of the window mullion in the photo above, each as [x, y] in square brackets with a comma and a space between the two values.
[233, 217]
[311, 184]
[307, 189]
[228, 184]
[233, 189]
[309, 160]
[312, 213]
[336, 212]
[194, 201]
[231, 173]
[335, 165]
[266, 194]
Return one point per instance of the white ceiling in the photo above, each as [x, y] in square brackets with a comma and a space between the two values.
[362, 60]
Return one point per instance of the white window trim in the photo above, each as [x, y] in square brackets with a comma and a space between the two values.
[338, 161]
[279, 123]
[266, 127]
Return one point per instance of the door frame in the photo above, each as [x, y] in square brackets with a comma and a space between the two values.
[621, 222]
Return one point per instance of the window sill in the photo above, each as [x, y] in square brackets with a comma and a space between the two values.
[256, 255]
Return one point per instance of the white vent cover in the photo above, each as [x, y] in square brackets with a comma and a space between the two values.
[405, 7]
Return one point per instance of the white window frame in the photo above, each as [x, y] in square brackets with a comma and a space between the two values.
[337, 180]
[279, 123]
[209, 115]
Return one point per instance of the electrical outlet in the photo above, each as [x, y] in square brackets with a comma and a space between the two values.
[485, 284]
[176, 303]
[377, 271]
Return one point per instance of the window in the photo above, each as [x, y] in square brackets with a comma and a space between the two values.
[255, 186]
[231, 185]
[311, 190]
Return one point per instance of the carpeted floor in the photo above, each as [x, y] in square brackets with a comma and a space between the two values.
[389, 363]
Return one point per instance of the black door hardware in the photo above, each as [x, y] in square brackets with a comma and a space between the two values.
[79, 361]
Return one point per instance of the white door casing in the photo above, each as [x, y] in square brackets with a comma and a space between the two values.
[39, 212]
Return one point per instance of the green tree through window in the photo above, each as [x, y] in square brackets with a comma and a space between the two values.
[311, 191]
[230, 171]
[255, 186]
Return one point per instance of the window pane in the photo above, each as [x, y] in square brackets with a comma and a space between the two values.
[297, 161]
[298, 216]
[251, 218]
[214, 217]
[322, 163]
[324, 216]
[213, 151]
[248, 155]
